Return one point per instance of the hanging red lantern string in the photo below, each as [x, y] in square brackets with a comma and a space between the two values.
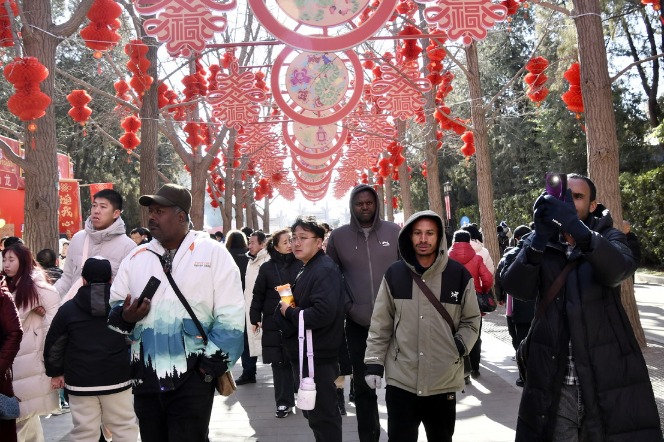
[79, 111]
[101, 33]
[573, 98]
[130, 140]
[468, 148]
[122, 92]
[138, 65]
[409, 49]
[264, 188]
[424, 169]
[536, 79]
[28, 102]
[395, 203]
[6, 36]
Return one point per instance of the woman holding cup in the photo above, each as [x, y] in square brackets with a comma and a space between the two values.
[276, 274]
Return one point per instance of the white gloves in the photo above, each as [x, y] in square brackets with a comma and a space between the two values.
[373, 381]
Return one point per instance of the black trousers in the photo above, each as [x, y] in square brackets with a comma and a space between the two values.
[517, 330]
[476, 351]
[366, 401]
[405, 412]
[284, 384]
[182, 415]
[325, 418]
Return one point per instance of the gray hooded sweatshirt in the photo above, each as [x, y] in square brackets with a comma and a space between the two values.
[363, 259]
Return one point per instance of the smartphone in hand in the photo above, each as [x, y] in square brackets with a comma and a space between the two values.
[556, 185]
[149, 290]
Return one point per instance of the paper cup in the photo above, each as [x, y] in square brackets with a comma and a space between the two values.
[286, 294]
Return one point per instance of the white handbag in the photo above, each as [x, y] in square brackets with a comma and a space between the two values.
[306, 393]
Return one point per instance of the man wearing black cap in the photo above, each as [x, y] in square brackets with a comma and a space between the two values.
[173, 364]
[90, 361]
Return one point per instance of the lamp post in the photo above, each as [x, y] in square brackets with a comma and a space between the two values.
[447, 188]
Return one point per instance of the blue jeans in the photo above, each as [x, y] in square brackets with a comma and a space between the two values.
[570, 425]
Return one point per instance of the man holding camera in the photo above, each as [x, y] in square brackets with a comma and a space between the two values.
[174, 368]
[586, 377]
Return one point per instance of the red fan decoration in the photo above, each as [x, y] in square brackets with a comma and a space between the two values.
[79, 111]
[130, 140]
[536, 79]
[138, 65]
[6, 37]
[101, 33]
[28, 102]
[468, 148]
[573, 98]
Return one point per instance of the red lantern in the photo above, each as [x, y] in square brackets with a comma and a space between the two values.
[28, 102]
[79, 112]
[536, 79]
[130, 140]
[138, 65]
[468, 148]
[573, 98]
[101, 33]
[6, 37]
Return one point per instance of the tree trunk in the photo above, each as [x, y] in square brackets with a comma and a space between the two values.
[266, 216]
[389, 210]
[602, 141]
[404, 176]
[198, 183]
[239, 199]
[431, 157]
[149, 116]
[482, 156]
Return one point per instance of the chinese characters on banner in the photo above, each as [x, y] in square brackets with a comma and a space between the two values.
[9, 172]
[70, 207]
[97, 187]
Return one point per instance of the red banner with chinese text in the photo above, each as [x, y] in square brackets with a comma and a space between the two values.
[96, 187]
[70, 207]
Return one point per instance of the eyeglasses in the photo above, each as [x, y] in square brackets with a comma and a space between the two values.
[299, 239]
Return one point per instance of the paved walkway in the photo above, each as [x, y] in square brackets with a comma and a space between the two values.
[486, 412]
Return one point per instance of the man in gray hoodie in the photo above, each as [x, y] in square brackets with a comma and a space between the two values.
[363, 250]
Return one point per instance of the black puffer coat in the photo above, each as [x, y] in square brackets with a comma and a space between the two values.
[279, 270]
[616, 390]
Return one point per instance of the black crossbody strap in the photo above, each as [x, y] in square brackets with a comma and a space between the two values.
[184, 302]
[432, 298]
[554, 289]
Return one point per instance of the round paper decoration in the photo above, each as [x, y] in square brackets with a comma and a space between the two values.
[317, 81]
[308, 16]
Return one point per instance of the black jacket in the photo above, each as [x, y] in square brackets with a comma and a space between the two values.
[617, 394]
[279, 270]
[241, 259]
[522, 311]
[318, 291]
[93, 358]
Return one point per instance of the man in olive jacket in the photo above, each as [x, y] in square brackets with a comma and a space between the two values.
[420, 353]
[586, 377]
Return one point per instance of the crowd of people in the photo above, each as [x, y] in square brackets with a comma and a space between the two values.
[136, 329]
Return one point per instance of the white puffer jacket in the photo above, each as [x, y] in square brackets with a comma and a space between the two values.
[254, 339]
[31, 385]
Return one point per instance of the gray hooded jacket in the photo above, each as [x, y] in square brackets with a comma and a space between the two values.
[363, 259]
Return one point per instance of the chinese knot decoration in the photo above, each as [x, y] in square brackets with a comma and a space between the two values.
[79, 111]
[28, 102]
[464, 20]
[401, 92]
[6, 38]
[536, 79]
[237, 100]
[573, 98]
[101, 33]
[185, 25]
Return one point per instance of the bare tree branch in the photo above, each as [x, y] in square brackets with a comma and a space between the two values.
[636, 63]
[11, 156]
[553, 7]
[70, 26]
[96, 90]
